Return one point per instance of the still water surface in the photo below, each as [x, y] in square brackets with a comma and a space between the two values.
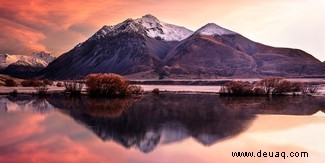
[164, 128]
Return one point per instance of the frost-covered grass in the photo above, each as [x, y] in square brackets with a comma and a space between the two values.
[172, 88]
[182, 88]
[146, 88]
[29, 89]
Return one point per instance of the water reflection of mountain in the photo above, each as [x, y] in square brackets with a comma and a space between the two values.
[24, 103]
[146, 122]
[156, 119]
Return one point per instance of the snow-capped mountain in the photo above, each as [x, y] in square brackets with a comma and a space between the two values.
[47, 57]
[213, 29]
[147, 47]
[147, 25]
[25, 65]
[36, 59]
[133, 46]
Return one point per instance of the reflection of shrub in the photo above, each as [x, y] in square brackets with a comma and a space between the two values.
[73, 87]
[106, 85]
[109, 108]
[59, 84]
[135, 89]
[32, 83]
[155, 91]
[274, 103]
[10, 83]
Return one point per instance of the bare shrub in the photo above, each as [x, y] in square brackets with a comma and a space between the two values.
[156, 91]
[297, 87]
[73, 87]
[313, 88]
[282, 87]
[106, 85]
[32, 83]
[48, 82]
[237, 88]
[270, 84]
[310, 89]
[278, 86]
[259, 91]
[14, 92]
[135, 89]
[41, 90]
[59, 84]
[10, 83]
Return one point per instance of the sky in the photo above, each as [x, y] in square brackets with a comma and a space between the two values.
[28, 26]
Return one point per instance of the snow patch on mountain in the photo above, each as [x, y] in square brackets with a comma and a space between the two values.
[168, 32]
[213, 29]
[147, 25]
[47, 57]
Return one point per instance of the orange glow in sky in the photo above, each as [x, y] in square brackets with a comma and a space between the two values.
[57, 26]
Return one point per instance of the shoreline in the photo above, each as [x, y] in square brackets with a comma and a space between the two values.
[206, 86]
[163, 89]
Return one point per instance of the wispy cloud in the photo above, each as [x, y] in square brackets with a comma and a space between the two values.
[57, 26]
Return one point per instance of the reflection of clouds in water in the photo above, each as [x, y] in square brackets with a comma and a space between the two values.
[289, 134]
[30, 137]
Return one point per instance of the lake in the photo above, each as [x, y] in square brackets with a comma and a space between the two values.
[162, 128]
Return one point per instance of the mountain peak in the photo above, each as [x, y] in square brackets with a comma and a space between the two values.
[36, 58]
[149, 21]
[149, 16]
[213, 29]
[147, 25]
[47, 57]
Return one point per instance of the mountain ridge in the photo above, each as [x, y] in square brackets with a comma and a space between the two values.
[24, 65]
[149, 48]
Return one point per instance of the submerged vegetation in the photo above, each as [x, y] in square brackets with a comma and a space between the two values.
[267, 86]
